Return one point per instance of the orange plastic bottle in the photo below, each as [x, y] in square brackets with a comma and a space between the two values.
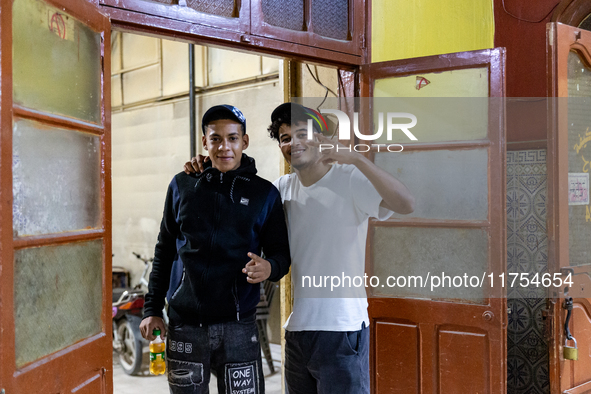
[157, 350]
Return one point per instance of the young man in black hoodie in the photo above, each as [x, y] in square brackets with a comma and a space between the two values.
[214, 226]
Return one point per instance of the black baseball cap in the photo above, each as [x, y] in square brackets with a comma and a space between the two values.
[293, 112]
[223, 111]
[285, 110]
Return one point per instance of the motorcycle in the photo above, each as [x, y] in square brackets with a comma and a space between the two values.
[128, 304]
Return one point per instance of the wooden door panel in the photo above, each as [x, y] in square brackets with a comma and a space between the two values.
[47, 259]
[423, 347]
[463, 360]
[577, 373]
[94, 385]
[569, 80]
[397, 353]
[427, 343]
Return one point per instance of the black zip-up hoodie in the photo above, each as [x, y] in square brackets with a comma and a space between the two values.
[210, 222]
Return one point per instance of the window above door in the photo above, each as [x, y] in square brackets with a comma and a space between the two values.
[326, 29]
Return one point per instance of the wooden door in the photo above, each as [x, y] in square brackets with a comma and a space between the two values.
[425, 341]
[569, 219]
[55, 312]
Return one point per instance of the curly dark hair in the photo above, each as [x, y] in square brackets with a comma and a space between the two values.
[286, 118]
[273, 128]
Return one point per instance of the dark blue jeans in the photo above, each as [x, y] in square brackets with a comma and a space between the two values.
[232, 350]
[327, 362]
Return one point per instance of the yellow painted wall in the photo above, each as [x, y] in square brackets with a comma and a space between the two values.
[414, 28]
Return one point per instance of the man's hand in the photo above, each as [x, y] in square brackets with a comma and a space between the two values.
[257, 269]
[149, 324]
[330, 153]
[195, 166]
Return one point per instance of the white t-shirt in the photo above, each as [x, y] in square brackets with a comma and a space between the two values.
[327, 225]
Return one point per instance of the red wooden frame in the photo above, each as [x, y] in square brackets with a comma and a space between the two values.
[241, 24]
[191, 26]
[90, 360]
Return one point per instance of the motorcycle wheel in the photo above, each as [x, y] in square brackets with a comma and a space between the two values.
[130, 356]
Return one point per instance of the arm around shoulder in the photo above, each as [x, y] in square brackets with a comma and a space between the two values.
[274, 238]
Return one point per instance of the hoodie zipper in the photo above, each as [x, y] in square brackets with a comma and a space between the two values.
[211, 244]
[236, 300]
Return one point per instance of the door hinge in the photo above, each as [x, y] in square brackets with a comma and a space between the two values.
[363, 43]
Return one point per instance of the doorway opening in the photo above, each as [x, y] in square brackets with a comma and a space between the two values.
[151, 141]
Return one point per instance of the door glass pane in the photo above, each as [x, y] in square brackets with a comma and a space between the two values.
[579, 155]
[288, 14]
[57, 297]
[225, 8]
[56, 179]
[330, 18]
[450, 105]
[56, 62]
[446, 184]
[407, 253]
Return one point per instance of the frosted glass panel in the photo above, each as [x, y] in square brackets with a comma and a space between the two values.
[471, 82]
[56, 62]
[416, 251]
[142, 84]
[579, 155]
[438, 119]
[225, 8]
[56, 179]
[454, 116]
[288, 14]
[446, 184]
[330, 18]
[57, 297]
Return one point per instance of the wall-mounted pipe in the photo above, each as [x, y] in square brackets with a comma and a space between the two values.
[192, 114]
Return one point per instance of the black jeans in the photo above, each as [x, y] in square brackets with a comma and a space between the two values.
[232, 350]
[327, 362]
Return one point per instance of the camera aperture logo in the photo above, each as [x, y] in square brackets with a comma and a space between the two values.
[345, 130]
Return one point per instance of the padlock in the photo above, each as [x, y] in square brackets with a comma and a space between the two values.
[570, 353]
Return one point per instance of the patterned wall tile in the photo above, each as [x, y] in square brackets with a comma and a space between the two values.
[527, 252]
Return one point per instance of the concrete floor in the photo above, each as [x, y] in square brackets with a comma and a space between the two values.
[148, 384]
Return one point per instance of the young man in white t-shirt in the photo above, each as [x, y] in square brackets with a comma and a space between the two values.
[327, 209]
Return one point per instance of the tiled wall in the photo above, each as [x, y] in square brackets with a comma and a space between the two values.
[527, 251]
